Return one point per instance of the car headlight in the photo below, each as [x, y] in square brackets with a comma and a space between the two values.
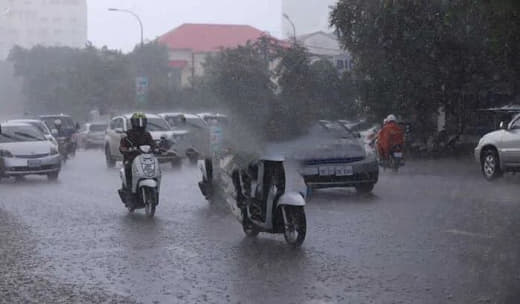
[54, 151]
[5, 153]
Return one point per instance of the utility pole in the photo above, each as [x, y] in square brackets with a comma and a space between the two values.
[141, 82]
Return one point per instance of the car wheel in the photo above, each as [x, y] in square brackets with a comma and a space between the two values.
[365, 188]
[490, 164]
[53, 176]
[111, 163]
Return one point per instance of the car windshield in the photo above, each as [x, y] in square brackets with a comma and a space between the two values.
[66, 122]
[332, 130]
[11, 134]
[40, 125]
[176, 121]
[156, 124]
[98, 127]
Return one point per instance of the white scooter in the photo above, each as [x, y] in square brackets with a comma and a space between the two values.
[146, 181]
[268, 202]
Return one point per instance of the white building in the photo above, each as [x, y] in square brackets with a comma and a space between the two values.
[28, 23]
[308, 16]
[323, 45]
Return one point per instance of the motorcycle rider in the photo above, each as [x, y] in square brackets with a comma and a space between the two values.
[135, 137]
[389, 136]
[59, 129]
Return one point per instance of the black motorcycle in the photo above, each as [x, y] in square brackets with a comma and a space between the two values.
[66, 147]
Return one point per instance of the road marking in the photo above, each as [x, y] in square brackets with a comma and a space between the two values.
[470, 234]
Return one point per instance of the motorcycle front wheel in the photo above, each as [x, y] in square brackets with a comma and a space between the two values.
[295, 225]
[149, 197]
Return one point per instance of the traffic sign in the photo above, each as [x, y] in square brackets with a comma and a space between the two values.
[141, 89]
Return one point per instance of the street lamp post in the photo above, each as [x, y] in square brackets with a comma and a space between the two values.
[292, 24]
[141, 82]
[136, 17]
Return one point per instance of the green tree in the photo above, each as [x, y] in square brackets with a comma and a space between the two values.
[241, 83]
[415, 56]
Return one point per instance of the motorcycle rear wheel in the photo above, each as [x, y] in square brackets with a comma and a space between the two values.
[249, 229]
[395, 163]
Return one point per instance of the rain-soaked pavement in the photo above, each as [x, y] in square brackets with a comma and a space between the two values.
[434, 233]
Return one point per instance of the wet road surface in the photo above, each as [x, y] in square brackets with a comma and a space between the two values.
[434, 233]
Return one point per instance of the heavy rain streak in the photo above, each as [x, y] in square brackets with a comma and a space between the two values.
[253, 151]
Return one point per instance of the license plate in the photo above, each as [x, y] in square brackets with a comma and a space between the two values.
[336, 171]
[398, 155]
[344, 171]
[34, 163]
[327, 171]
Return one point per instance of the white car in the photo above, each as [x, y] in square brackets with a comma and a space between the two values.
[160, 130]
[499, 151]
[25, 151]
[40, 125]
[92, 134]
[192, 133]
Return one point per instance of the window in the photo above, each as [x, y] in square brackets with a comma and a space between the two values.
[113, 123]
[119, 123]
[516, 124]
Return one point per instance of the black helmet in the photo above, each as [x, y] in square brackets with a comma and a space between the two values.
[138, 121]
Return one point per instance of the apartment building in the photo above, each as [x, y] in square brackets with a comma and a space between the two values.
[28, 23]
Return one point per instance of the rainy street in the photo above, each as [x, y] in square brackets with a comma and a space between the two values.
[434, 233]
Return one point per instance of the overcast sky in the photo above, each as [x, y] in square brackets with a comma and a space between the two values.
[121, 31]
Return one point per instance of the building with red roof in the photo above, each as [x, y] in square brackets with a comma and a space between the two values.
[190, 44]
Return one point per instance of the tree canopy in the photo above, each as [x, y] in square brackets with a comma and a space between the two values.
[415, 56]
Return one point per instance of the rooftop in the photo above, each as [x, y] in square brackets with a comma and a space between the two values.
[202, 38]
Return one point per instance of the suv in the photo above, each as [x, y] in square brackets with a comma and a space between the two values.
[499, 151]
[158, 128]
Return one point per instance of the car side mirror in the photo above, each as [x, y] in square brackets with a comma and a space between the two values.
[77, 126]
[503, 125]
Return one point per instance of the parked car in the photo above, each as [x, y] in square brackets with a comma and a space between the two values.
[158, 128]
[25, 151]
[499, 151]
[40, 125]
[92, 135]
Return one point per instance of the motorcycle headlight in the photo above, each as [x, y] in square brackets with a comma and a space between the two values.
[54, 151]
[5, 153]
[149, 169]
